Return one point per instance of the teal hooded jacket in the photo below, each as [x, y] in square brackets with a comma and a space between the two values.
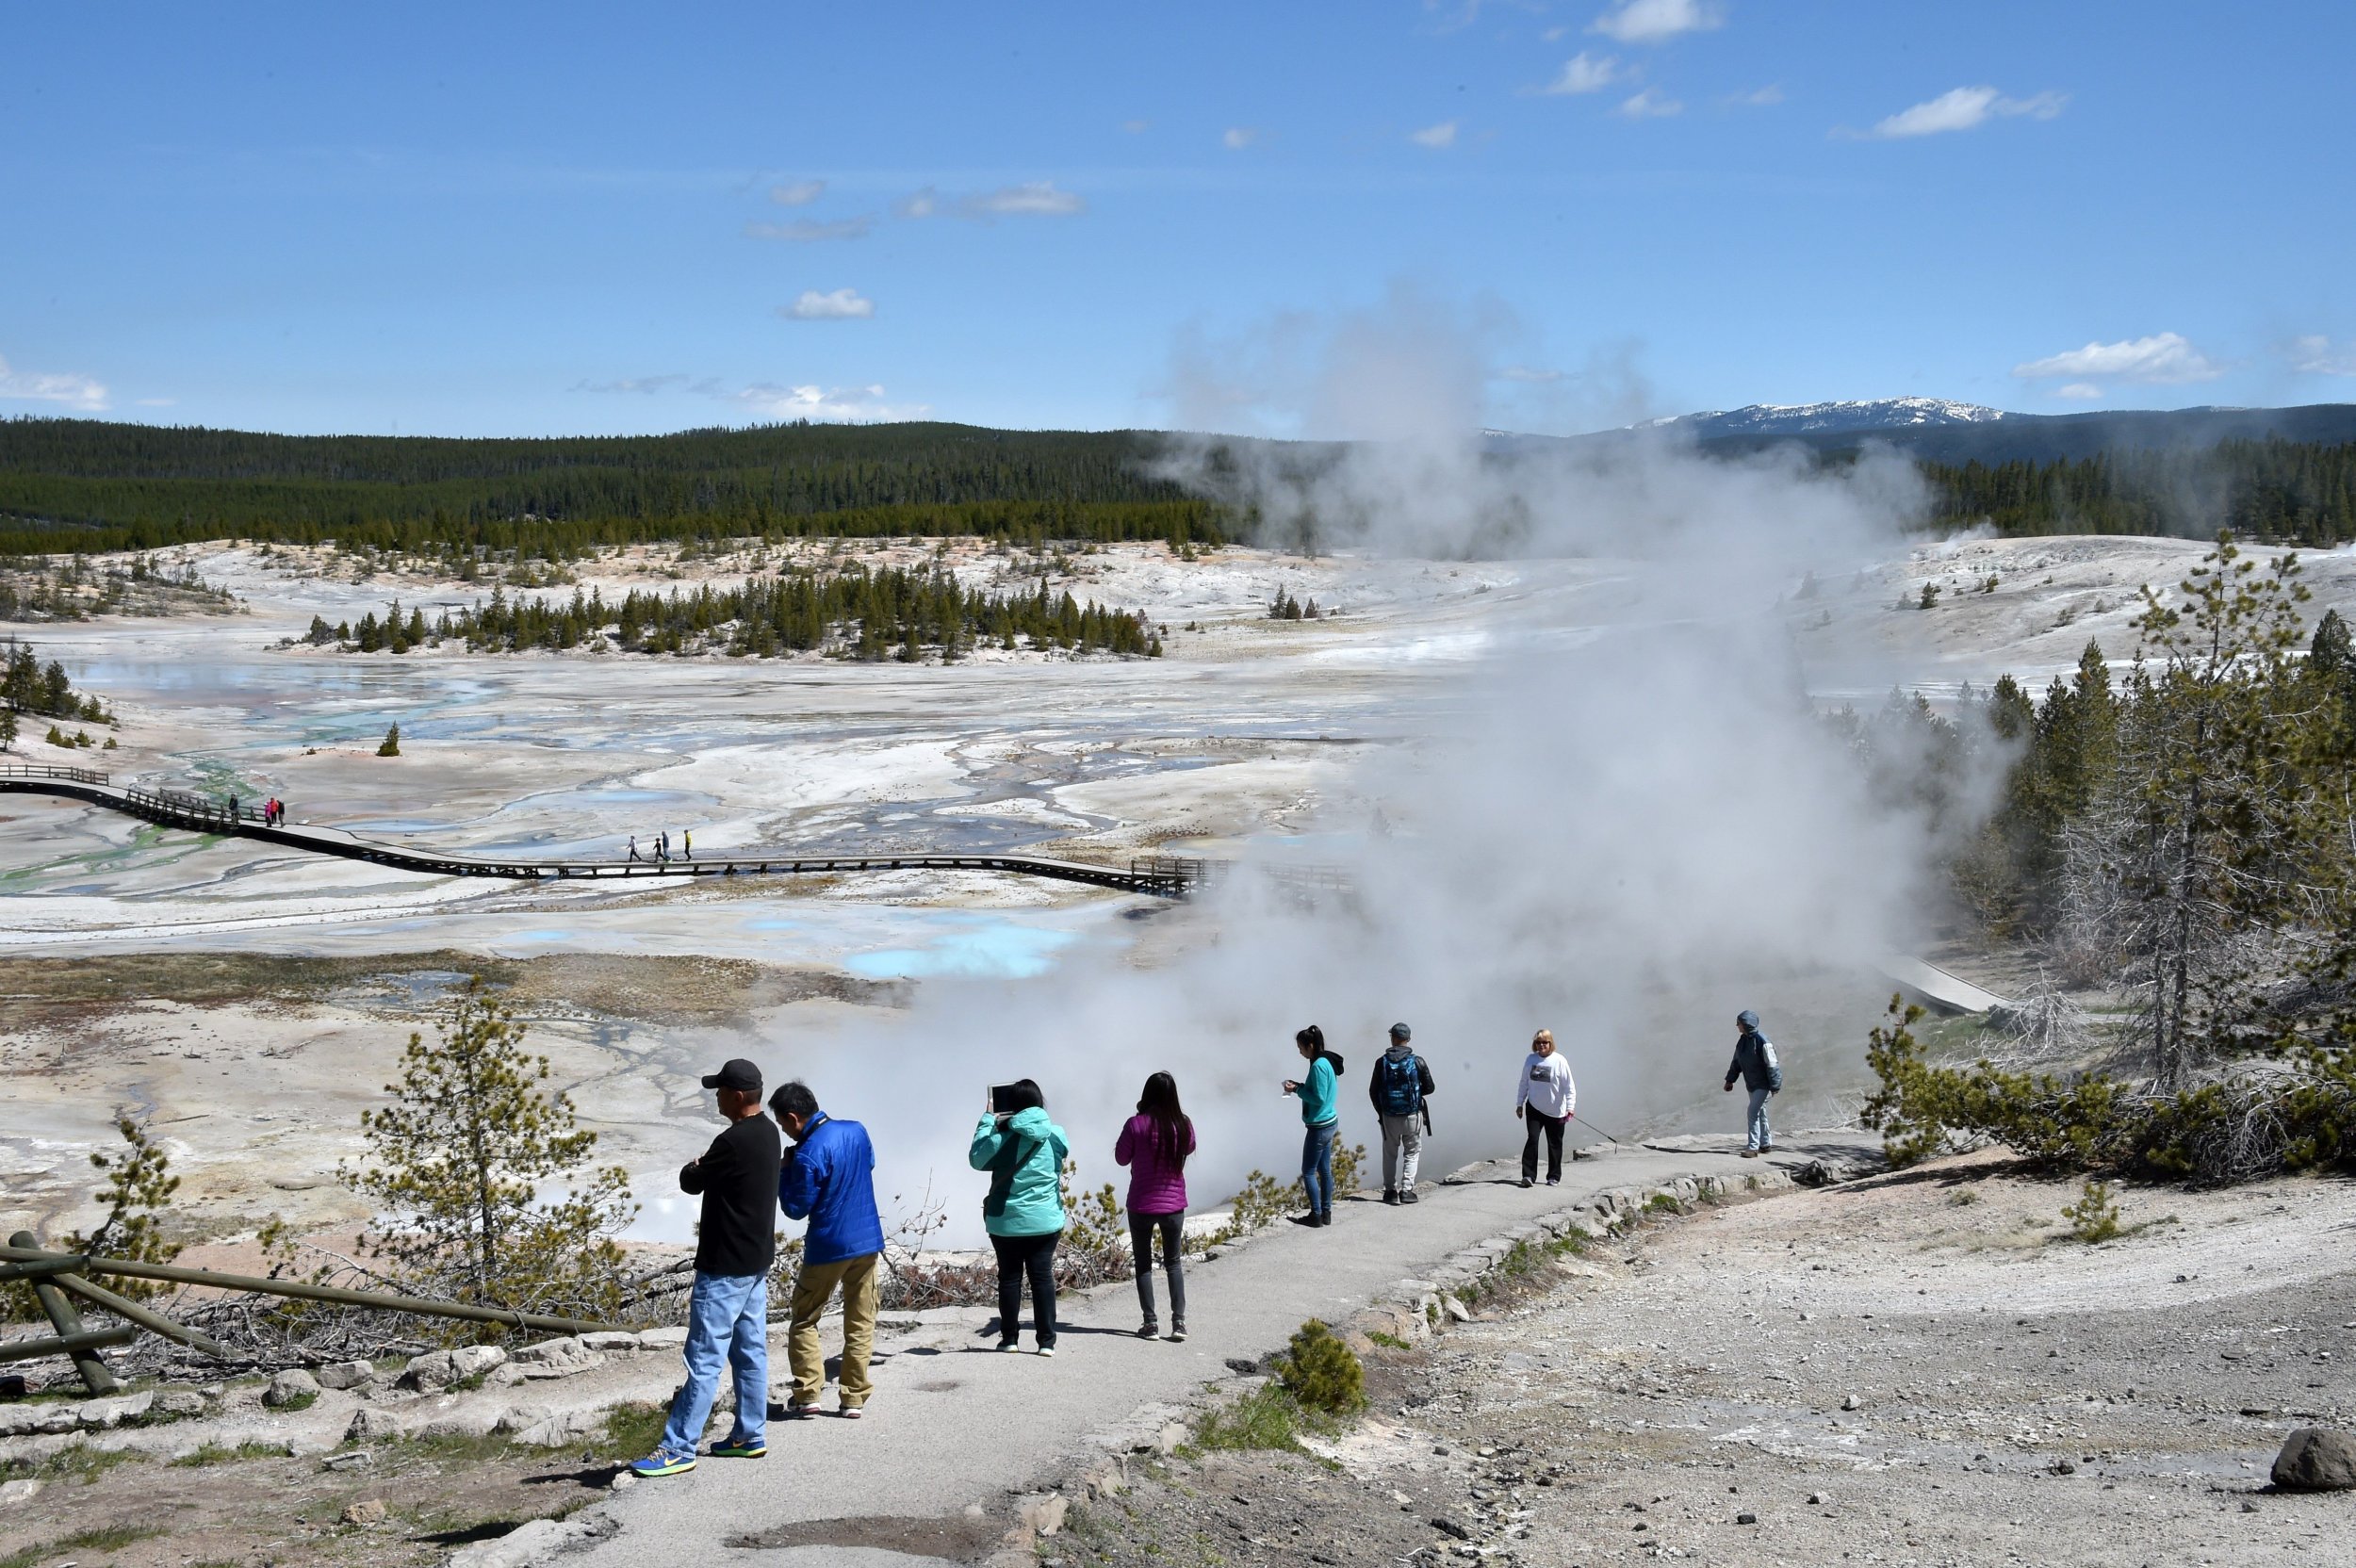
[1025, 1158]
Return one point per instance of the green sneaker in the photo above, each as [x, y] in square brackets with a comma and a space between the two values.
[663, 1463]
[738, 1451]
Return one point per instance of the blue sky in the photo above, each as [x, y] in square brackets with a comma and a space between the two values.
[525, 220]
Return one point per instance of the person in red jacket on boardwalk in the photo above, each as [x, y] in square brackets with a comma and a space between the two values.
[1154, 1145]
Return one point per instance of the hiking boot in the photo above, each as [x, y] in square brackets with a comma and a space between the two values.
[662, 1462]
[1750, 1153]
[733, 1448]
[1390, 1196]
[1407, 1195]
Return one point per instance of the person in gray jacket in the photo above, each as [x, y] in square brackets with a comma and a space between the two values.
[1399, 1085]
[1755, 1063]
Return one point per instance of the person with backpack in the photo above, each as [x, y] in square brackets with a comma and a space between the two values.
[1400, 1082]
[1545, 1104]
[1321, 1117]
[1154, 1145]
[1023, 1153]
[1755, 1063]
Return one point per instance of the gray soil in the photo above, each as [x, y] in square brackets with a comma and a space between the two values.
[1923, 1368]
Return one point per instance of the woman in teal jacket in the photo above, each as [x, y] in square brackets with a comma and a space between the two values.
[1322, 1117]
[1023, 1153]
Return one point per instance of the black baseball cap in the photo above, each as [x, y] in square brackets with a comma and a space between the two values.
[735, 1073]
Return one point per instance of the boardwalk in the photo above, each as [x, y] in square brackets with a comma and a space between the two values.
[1162, 876]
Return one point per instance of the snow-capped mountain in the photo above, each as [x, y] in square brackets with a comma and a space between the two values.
[1857, 414]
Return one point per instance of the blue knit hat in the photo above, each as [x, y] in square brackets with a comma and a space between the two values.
[1747, 1019]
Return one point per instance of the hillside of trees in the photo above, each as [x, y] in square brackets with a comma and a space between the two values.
[854, 614]
[72, 486]
[82, 485]
[2294, 492]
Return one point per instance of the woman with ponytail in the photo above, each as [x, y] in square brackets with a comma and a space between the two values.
[1320, 1116]
[1154, 1145]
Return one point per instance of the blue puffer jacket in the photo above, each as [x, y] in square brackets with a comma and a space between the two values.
[1755, 1063]
[829, 1180]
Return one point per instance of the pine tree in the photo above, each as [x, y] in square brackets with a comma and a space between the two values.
[391, 746]
[457, 1162]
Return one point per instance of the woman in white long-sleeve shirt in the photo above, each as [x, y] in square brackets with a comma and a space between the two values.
[1545, 1104]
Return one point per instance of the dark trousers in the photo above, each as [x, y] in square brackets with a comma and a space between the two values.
[1033, 1256]
[1536, 1121]
[1173, 1227]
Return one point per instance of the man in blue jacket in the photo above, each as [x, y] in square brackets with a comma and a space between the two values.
[830, 1178]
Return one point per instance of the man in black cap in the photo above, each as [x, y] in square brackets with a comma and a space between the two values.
[728, 1317]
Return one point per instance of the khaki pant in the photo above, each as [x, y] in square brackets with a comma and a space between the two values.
[811, 1292]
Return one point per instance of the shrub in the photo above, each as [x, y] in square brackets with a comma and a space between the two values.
[1348, 1161]
[2095, 1215]
[1265, 1418]
[1261, 1203]
[1321, 1372]
[391, 746]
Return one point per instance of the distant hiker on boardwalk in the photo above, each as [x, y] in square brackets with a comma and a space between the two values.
[1399, 1085]
[829, 1180]
[1320, 1117]
[1546, 1102]
[1154, 1145]
[1023, 1153]
[633, 847]
[728, 1314]
[687, 844]
[1755, 1063]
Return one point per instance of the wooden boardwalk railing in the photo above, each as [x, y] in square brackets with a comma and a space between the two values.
[1159, 876]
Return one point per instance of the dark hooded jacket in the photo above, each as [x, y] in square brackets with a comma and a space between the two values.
[1755, 1063]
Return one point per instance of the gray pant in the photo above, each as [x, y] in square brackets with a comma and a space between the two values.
[1403, 1146]
[1760, 1137]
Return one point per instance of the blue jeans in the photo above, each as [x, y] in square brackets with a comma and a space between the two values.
[1760, 1137]
[728, 1317]
[1316, 1165]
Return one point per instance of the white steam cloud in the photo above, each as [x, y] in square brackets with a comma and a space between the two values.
[1615, 811]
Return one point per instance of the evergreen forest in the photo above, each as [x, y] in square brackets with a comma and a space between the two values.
[2288, 492]
[853, 613]
[83, 486]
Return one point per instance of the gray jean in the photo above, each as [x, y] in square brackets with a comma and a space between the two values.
[1760, 1137]
[1402, 1147]
[1173, 1229]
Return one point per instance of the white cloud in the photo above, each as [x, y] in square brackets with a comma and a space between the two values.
[1435, 136]
[797, 193]
[840, 304]
[1651, 104]
[2164, 359]
[918, 203]
[77, 392]
[2317, 356]
[826, 404]
[1527, 372]
[1758, 98]
[1584, 72]
[2080, 391]
[1963, 108]
[804, 231]
[1658, 21]
[1037, 199]
[1237, 137]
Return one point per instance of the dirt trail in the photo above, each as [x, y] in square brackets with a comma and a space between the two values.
[1922, 1369]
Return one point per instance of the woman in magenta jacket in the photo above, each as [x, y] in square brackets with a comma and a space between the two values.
[1154, 1145]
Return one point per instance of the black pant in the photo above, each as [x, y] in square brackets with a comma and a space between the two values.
[1173, 1227]
[1036, 1257]
[1536, 1121]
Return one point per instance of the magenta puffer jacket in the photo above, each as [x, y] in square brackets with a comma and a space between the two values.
[1158, 1184]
